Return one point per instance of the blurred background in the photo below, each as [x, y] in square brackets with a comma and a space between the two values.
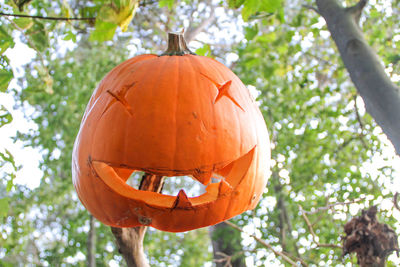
[329, 161]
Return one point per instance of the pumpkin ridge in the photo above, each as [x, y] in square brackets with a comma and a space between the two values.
[176, 89]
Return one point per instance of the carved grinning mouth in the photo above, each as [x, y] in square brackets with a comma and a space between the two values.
[230, 176]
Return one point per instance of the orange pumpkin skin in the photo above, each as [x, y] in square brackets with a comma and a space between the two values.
[170, 115]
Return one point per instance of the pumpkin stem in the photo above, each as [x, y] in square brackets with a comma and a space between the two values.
[176, 45]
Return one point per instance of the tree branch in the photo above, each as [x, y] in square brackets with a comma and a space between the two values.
[381, 96]
[191, 32]
[44, 18]
[330, 206]
[130, 240]
[224, 250]
[285, 223]
[92, 19]
[225, 258]
[314, 236]
[91, 243]
[357, 9]
[395, 201]
[310, 7]
[358, 116]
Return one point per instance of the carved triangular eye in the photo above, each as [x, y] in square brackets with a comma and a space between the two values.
[224, 188]
[223, 90]
[119, 96]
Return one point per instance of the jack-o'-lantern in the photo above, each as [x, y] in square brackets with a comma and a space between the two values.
[169, 115]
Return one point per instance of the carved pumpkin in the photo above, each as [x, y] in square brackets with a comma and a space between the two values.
[170, 115]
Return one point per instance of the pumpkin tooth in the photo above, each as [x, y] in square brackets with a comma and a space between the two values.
[203, 177]
[212, 189]
[182, 200]
[224, 187]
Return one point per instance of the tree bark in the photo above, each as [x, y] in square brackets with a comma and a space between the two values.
[381, 96]
[91, 244]
[130, 240]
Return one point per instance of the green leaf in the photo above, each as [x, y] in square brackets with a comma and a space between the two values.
[5, 116]
[8, 157]
[5, 78]
[281, 15]
[267, 38]
[66, 9]
[24, 23]
[250, 7]
[38, 34]
[250, 32]
[270, 6]
[70, 36]
[6, 40]
[10, 183]
[235, 3]
[167, 3]
[4, 206]
[120, 12]
[104, 31]
[205, 50]
[6, 73]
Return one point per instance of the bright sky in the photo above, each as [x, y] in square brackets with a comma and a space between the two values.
[27, 157]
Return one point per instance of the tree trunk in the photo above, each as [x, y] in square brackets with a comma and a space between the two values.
[227, 248]
[91, 244]
[130, 240]
[380, 95]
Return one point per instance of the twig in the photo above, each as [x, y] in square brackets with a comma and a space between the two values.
[314, 236]
[191, 32]
[32, 45]
[361, 4]
[357, 9]
[303, 263]
[396, 201]
[328, 207]
[311, 8]
[142, 4]
[358, 113]
[262, 242]
[224, 258]
[358, 116]
[320, 59]
[146, 3]
[45, 18]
